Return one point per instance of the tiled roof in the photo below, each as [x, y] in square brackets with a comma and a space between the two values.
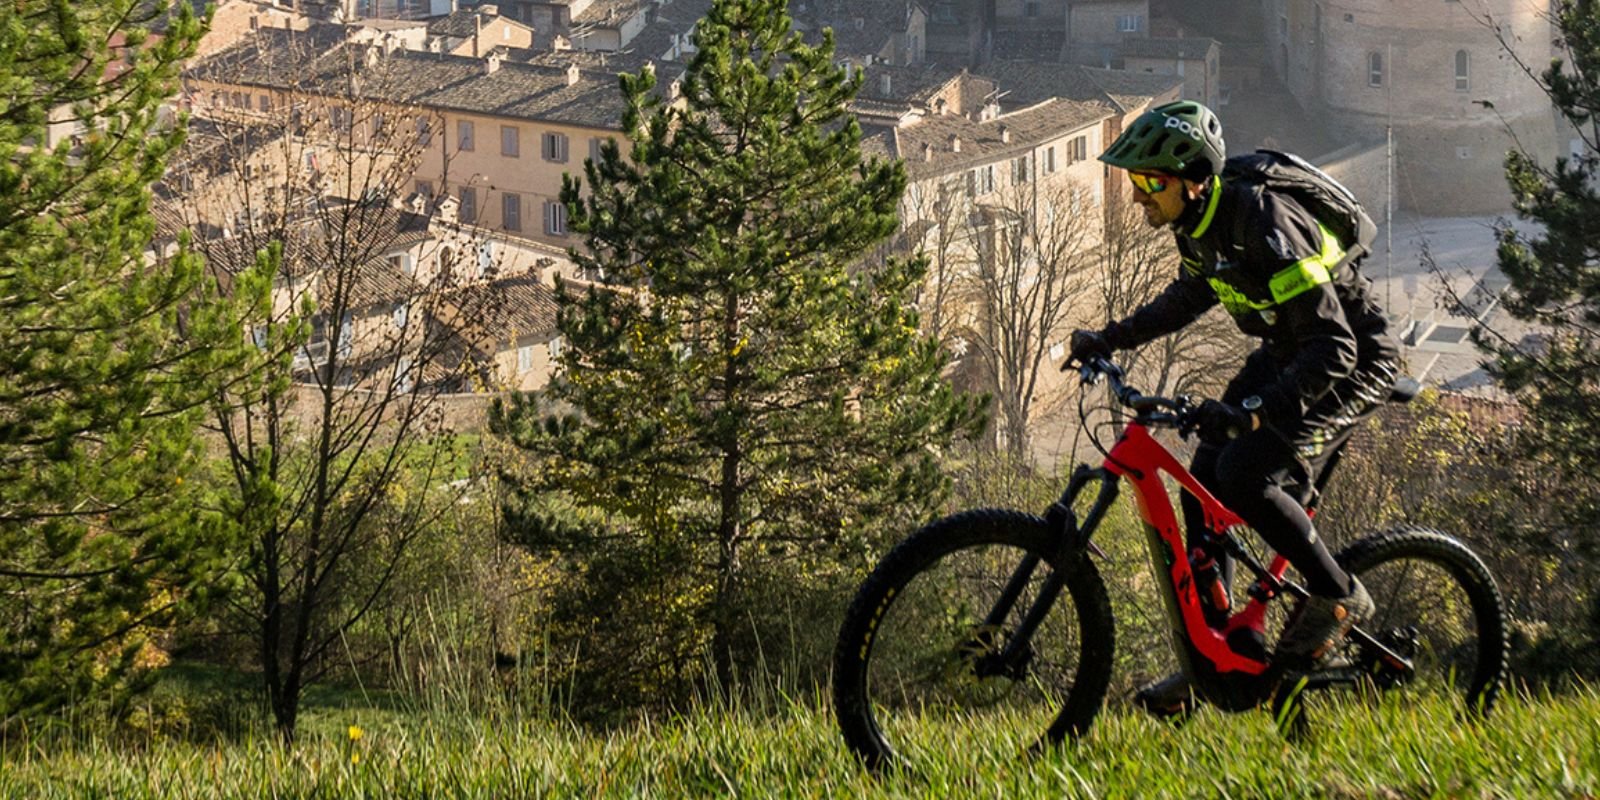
[279, 60]
[461, 23]
[169, 217]
[982, 142]
[1163, 48]
[609, 13]
[1132, 90]
[860, 27]
[380, 283]
[307, 250]
[506, 309]
[386, 24]
[1027, 82]
[655, 41]
[1030, 45]
[914, 85]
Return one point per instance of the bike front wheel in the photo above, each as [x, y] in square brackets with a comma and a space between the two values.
[930, 661]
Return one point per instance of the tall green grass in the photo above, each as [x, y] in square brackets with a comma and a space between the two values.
[1539, 746]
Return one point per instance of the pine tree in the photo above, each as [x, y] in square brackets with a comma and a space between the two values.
[107, 359]
[1555, 283]
[753, 403]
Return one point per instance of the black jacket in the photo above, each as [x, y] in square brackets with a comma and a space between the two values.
[1284, 278]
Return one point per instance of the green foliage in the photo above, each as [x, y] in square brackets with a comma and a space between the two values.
[108, 356]
[1531, 747]
[1467, 472]
[747, 401]
[1555, 284]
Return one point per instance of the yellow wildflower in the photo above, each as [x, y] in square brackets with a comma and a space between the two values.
[355, 733]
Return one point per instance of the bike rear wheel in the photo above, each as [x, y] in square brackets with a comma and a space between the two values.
[925, 666]
[1437, 606]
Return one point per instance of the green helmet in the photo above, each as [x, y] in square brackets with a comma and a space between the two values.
[1181, 138]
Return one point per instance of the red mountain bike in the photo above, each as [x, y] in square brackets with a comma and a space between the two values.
[997, 622]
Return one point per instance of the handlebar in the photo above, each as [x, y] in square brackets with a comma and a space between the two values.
[1149, 407]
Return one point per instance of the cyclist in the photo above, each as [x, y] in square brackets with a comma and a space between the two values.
[1325, 363]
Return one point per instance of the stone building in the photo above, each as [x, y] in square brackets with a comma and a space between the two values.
[1425, 67]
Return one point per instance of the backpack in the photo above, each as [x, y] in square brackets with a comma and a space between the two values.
[1328, 200]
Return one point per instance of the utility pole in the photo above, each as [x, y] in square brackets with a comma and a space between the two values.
[1388, 203]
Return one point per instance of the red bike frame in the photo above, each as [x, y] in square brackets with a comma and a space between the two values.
[1140, 459]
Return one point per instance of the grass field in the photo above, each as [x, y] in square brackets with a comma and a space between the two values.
[1531, 747]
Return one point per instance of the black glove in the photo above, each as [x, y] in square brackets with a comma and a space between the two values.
[1217, 422]
[1085, 346]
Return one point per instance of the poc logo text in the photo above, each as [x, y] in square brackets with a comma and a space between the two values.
[1183, 125]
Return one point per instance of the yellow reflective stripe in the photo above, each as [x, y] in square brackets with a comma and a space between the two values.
[1308, 273]
[1234, 300]
[1211, 209]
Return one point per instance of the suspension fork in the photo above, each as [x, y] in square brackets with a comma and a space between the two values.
[1072, 538]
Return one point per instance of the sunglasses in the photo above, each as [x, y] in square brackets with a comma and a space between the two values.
[1149, 184]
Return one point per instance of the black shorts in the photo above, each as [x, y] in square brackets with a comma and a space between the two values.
[1327, 425]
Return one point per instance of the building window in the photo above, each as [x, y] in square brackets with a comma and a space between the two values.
[425, 188]
[469, 204]
[464, 135]
[402, 315]
[1130, 23]
[1030, 8]
[557, 345]
[347, 335]
[341, 118]
[485, 260]
[1019, 170]
[1463, 71]
[424, 131]
[510, 141]
[595, 143]
[1374, 69]
[555, 147]
[1050, 160]
[511, 211]
[1283, 26]
[985, 179]
[525, 358]
[265, 102]
[1077, 149]
[404, 374]
[555, 218]
[402, 263]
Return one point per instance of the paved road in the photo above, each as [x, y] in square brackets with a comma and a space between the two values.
[1436, 262]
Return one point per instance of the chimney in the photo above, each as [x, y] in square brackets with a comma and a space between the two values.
[572, 73]
[489, 10]
[927, 152]
[477, 33]
[491, 64]
[955, 143]
[885, 84]
[1005, 135]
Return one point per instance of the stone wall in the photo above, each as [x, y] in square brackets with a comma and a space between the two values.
[1364, 65]
[1362, 168]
